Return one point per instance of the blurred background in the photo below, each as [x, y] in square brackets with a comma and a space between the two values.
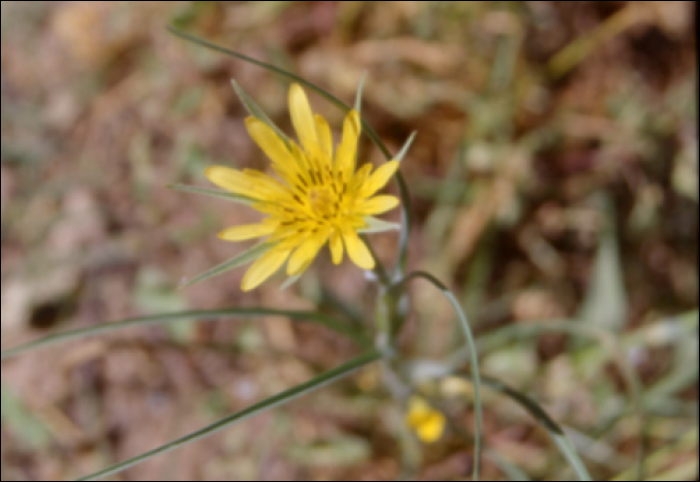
[554, 176]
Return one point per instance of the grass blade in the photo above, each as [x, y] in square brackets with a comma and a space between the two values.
[605, 338]
[201, 315]
[406, 146]
[213, 193]
[554, 430]
[464, 324]
[358, 95]
[274, 401]
[239, 260]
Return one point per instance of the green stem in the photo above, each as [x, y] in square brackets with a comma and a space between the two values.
[185, 315]
[555, 431]
[274, 401]
[605, 338]
[473, 355]
[379, 270]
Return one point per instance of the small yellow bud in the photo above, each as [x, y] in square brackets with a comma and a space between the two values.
[427, 422]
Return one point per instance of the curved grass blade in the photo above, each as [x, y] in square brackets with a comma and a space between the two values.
[554, 430]
[406, 216]
[274, 401]
[607, 339]
[509, 469]
[245, 257]
[200, 315]
[221, 194]
[464, 324]
[284, 73]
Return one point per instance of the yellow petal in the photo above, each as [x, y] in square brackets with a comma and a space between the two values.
[336, 244]
[357, 250]
[304, 164]
[359, 179]
[325, 138]
[305, 253]
[231, 180]
[418, 408]
[425, 420]
[263, 268]
[271, 144]
[432, 427]
[247, 231]
[267, 187]
[379, 178]
[303, 119]
[347, 150]
[377, 204]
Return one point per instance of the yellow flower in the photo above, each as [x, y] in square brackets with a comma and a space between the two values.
[427, 422]
[319, 198]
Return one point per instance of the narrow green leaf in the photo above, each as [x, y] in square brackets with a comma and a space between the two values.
[571, 455]
[256, 111]
[605, 339]
[267, 404]
[406, 223]
[406, 215]
[245, 257]
[358, 96]
[200, 315]
[375, 225]
[219, 193]
[290, 281]
[289, 75]
[511, 471]
[554, 430]
[605, 303]
[406, 146]
[464, 324]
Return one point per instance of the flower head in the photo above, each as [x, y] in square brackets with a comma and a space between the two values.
[427, 422]
[319, 197]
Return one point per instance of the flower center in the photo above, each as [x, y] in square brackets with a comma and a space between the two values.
[322, 201]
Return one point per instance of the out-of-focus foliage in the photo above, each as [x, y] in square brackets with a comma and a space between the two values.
[554, 176]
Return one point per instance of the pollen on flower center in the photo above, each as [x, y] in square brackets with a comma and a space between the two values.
[323, 202]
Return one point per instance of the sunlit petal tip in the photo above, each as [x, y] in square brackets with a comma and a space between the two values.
[357, 250]
[378, 204]
[246, 231]
[353, 118]
[336, 246]
[263, 268]
[324, 136]
[252, 124]
[379, 178]
[227, 178]
[212, 172]
[305, 253]
[303, 118]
